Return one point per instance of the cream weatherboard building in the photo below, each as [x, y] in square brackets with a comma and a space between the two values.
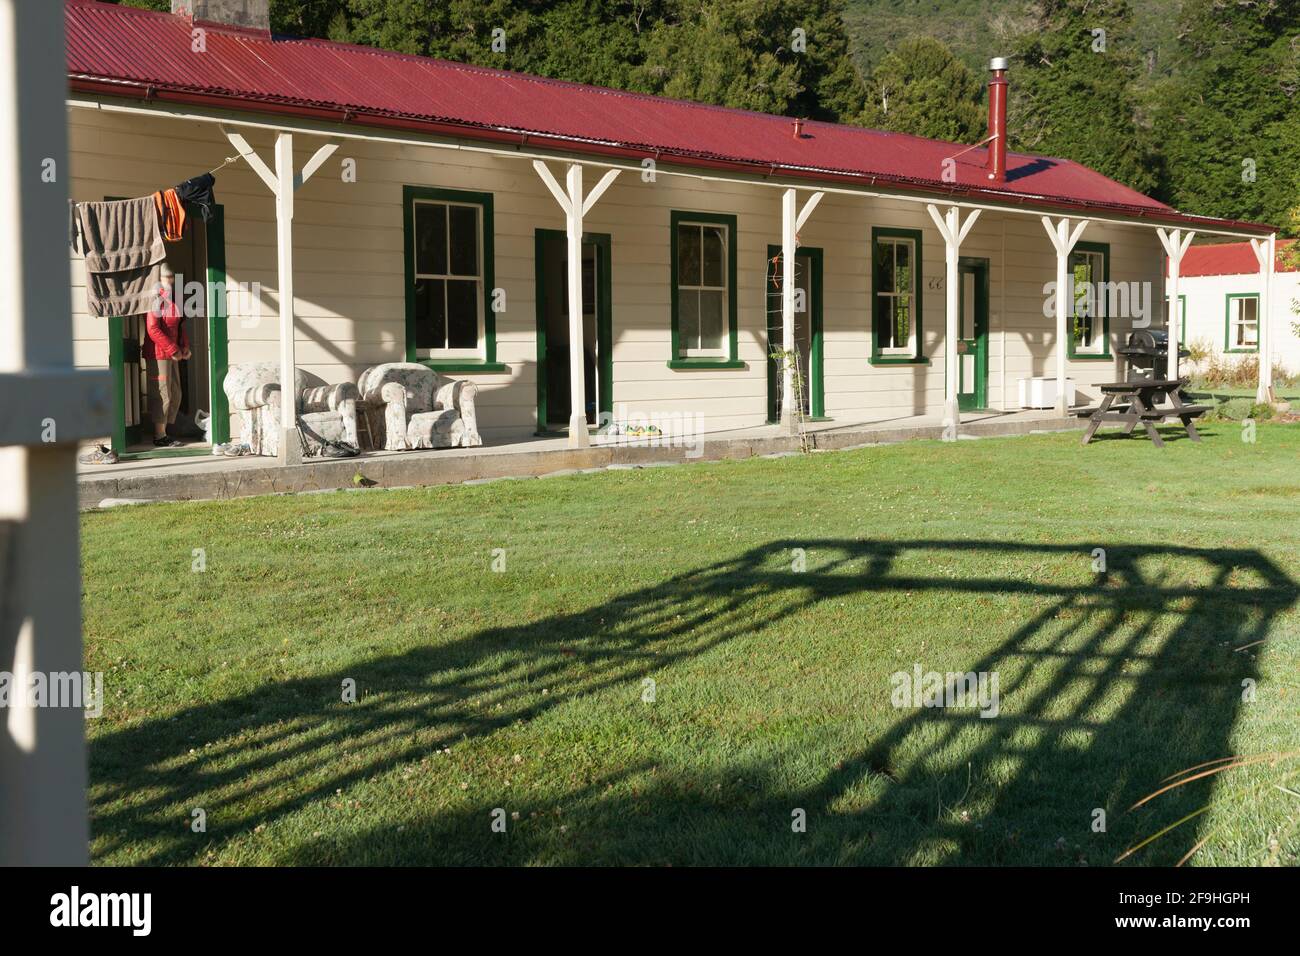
[1221, 301]
[577, 251]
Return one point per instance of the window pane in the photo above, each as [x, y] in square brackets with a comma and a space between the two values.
[688, 255]
[902, 329]
[688, 319]
[885, 266]
[462, 314]
[430, 239]
[464, 240]
[903, 266]
[430, 317]
[1086, 269]
[715, 256]
[711, 320]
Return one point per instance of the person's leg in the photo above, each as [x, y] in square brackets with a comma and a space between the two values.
[154, 385]
[173, 393]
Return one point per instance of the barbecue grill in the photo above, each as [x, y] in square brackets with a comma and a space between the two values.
[1147, 354]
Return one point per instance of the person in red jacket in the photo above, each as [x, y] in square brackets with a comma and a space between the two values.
[165, 347]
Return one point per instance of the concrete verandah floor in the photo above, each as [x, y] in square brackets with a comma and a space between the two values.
[199, 477]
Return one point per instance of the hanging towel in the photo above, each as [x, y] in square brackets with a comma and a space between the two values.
[124, 248]
[198, 192]
[171, 214]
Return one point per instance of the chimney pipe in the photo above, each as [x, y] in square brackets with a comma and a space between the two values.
[798, 127]
[997, 161]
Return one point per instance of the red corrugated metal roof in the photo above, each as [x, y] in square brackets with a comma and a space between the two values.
[1228, 259]
[125, 51]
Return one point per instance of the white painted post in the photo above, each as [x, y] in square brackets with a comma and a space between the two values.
[1266, 254]
[45, 407]
[1063, 240]
[282, 183]
[952, 304]
[578, 436]
[1175, 243]
[290, 448]
[792, 220]
[1064, 299]
[575, 207]
[788, 216]
[953, 231]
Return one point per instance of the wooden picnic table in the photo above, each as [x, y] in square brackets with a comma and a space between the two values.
[1140, 403]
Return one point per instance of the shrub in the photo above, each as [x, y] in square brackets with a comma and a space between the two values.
[1199, 351]
[1222, 371]
[1238, 409]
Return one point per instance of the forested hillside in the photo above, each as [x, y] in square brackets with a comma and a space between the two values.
[976, 30]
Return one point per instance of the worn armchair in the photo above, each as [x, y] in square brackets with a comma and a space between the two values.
[421, 408]
[325, 412]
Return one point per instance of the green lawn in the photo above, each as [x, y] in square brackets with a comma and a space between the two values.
[523, 690]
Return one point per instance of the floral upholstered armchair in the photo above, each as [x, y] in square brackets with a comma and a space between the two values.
[421, 408]
[327, 413]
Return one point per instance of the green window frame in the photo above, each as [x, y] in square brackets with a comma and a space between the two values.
[890, 304]
[1089, 310]
[1182, 328]
[726, 356]
[1228, 319]
[483, 357]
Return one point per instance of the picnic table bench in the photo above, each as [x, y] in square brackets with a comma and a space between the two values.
[1141, 402]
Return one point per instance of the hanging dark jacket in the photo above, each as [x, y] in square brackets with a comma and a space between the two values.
[198, 193]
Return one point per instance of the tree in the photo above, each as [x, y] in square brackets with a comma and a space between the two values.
[776, 56]
[1229, 120]
[1072, 89]
[920, 87]
[741, 53]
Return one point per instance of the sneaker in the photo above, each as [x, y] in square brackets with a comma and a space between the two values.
[167, 442]
[99, 455]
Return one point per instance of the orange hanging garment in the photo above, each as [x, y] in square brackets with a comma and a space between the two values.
[171, 214]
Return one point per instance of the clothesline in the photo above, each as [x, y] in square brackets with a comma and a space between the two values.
[228, 161]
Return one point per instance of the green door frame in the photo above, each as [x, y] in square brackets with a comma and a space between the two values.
[977, 397]
[817, 388]
[604, 321]
[218, 341]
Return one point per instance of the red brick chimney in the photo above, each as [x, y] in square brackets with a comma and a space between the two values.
[997, 161]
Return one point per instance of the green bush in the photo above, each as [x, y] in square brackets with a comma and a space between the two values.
[1238, 409]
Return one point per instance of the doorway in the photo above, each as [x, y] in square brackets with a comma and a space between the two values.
[553, 398]
[973, 334]
[199, 263]
[807, 331]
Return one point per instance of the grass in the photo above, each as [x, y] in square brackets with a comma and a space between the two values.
[527, 690]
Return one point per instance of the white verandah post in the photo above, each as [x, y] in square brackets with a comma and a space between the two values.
[1266, 253]
[46, 406]
[953, 231]
[575, 206]
[792, 220]
[1063, 241]
[1175, 243]
[282, 183]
